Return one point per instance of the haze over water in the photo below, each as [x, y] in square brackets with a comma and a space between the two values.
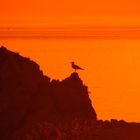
[112, 68]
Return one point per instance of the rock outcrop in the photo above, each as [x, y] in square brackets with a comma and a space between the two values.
[28, 97]
[72, 99]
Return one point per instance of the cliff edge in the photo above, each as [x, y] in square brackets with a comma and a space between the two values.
[28, 97]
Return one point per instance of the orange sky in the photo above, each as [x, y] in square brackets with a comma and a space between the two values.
[62, 12]
[112, 66]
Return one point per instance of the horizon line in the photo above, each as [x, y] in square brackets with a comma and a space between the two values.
[97, 32]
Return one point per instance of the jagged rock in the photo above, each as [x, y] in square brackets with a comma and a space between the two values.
[20, 82]
[28, 97]
[72, 99]
[31, 106]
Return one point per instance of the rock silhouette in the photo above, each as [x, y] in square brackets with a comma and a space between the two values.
[28, 97]
[72, 99]
[34, 107]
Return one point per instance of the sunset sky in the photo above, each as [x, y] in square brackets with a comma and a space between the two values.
[111, 56]
[53, 12]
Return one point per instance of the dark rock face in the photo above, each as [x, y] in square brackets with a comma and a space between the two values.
[28, 97]
[20, 82]
[32, 107]
[72, 98]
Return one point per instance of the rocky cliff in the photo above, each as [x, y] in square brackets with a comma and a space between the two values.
[28, 97]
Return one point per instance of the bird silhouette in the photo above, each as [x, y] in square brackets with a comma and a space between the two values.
[75, 67]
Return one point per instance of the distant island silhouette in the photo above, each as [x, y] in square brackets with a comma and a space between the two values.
[34, 107]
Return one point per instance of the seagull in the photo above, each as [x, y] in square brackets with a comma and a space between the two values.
[75, 66]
